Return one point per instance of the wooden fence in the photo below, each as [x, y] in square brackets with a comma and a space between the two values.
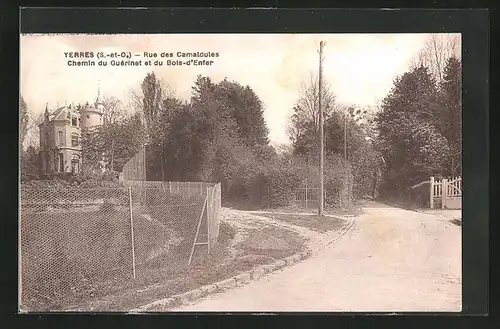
[446, 193]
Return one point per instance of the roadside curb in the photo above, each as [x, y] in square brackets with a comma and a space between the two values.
[221, 286]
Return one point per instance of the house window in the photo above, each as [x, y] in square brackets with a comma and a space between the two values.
[60, 138]
[75, 140]
[73, 121]
[61, 162]
[75, 164]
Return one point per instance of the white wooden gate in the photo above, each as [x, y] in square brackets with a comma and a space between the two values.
[446, 194]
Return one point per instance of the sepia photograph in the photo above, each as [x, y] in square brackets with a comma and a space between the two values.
[240, 173]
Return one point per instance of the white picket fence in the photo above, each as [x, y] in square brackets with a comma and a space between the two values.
[447, 193]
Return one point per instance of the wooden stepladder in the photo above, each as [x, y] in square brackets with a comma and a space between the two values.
[202, 222]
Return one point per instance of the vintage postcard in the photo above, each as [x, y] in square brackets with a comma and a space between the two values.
[240, 172]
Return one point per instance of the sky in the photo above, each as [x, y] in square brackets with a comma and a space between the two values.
[360, 68]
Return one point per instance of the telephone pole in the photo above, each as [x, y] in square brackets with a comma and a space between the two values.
[321, 164]
[345, 136]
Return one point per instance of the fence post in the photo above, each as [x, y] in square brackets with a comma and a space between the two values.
[306, 196]
[444, 192]
[132, 229]
[432, 193]
[340, 198]
[324, 197]
[209, 216]
[195, 242]
[170, 186]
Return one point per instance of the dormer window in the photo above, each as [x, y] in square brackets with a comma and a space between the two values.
[73, 121]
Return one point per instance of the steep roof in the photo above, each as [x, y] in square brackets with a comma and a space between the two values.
[98, 100]
[57, 113]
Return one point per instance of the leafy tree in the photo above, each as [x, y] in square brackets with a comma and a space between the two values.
[119, 141]
[23, 120]
[29, 164]
[334, 133]
[361, 153]
[412, 146]
[449, 120]
[217, 129]
[153, 93]
[182, 149]
[158, 105]
[415, 92]
[246, 109]
[306, 143]
[414, 152]
[210, 138]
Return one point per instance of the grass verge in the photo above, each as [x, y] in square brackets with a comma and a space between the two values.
[313, 222]
[352, 211]
[259, 247]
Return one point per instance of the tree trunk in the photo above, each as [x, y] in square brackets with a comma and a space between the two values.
[162, 169]
[112, 161]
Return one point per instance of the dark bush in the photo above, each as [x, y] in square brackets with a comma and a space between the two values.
[419, 195]
[226, 232]
[271, 182]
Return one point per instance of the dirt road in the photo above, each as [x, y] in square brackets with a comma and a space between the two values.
[393, 260]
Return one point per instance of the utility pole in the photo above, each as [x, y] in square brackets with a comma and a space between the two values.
[345, 136]
[321, 164]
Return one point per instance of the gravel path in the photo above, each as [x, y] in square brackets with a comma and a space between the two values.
[386, 260]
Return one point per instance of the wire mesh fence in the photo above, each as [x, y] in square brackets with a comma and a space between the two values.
[83, 241]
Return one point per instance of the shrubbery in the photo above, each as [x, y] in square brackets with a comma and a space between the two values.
[271, 183]
[65, 180]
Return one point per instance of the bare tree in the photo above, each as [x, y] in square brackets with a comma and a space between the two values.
[32, 137]
[136, 97]
[113, 110]
[28, 126]
[135, 100]
[23, 120]
[308, 103]
[306, 111]
[436, 50]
